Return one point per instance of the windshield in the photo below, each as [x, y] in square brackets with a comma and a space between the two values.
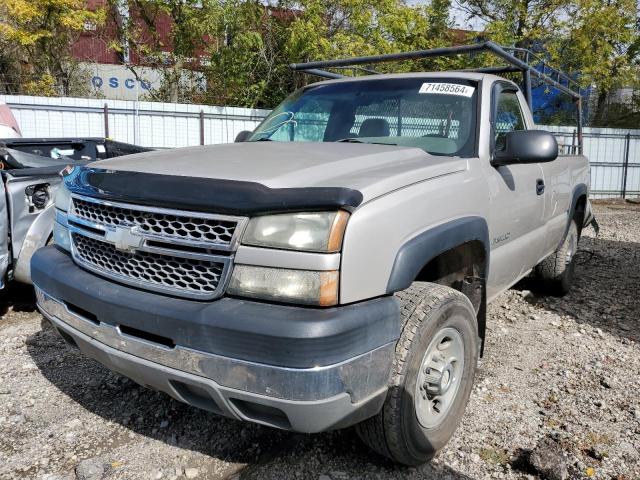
[437, 115]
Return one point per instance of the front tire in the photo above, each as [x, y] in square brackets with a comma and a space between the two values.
[433, 372]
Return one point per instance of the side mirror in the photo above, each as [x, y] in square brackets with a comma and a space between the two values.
[242, 136]
[526, 146]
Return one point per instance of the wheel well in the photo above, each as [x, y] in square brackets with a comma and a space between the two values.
[462, 268]
[579, 213]
[456, 268]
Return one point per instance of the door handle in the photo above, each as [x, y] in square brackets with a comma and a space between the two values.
[539, 186]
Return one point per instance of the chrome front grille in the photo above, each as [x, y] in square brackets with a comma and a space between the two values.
[172, 226]
[200, 277]
[185, 254]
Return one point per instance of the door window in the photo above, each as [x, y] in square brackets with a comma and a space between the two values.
[508, 117]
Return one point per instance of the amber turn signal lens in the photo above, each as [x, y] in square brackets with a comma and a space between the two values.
[337, 231]
[328, 289]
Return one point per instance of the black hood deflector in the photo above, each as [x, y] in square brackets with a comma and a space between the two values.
[230, 197]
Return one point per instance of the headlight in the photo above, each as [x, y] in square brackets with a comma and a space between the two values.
[63, 198]
[311, 232]
[279, 284]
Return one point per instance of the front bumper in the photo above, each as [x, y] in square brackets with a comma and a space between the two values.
[307, 398]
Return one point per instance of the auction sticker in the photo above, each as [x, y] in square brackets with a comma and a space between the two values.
[447, 89]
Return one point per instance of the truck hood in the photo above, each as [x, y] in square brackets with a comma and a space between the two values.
[371, 169]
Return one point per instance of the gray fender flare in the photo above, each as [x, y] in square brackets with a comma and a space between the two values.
[416, 253]
[578, 191]
[427, 245]
[39, 232]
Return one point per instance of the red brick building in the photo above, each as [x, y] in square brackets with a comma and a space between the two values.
[94, 44]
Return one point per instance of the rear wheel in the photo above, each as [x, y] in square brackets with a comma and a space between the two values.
[433, 375]
[555, 273]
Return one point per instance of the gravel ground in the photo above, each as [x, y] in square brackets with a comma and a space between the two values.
[557, 396]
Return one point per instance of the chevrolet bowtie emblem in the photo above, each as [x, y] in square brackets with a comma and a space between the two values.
[124, 239]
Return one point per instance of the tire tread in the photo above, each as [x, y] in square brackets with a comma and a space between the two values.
[378, 432]
[551, 272]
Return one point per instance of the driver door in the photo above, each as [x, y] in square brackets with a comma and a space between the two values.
[516, 228]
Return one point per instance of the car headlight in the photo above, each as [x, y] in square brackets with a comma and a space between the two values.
[310, 232]
[285, 285]
[63, 198]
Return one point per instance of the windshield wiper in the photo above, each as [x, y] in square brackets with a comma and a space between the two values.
[355, 140]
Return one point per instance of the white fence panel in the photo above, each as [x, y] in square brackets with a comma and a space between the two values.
[614, 155]
[150, 124]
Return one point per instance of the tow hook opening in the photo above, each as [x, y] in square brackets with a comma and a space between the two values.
[264, 414]
[146, 336]
[68, 338]
[196, 396]
[81, 312]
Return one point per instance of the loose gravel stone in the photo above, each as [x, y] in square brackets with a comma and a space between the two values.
[548, 459]
[191, 472]
[563, 370]
[91, 469]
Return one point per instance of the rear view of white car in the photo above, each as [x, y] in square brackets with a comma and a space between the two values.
[8, 125]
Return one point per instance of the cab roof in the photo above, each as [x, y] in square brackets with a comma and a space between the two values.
[475, 76]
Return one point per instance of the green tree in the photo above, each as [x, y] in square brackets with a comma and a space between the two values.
[602, 43]
[35, 41]
[173, 53]
[248, 45]
[516, 22]
[595, 41]
[248, 62]
[251, 66]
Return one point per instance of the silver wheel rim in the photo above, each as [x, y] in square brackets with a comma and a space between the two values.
[439, 377]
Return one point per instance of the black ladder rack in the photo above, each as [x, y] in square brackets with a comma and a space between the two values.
[517, 59]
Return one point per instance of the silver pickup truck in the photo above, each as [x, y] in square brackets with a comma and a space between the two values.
[333, 268]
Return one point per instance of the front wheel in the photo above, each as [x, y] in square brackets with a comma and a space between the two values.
[434, 368]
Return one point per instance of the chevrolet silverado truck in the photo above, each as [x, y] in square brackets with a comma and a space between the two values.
[331, 269]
